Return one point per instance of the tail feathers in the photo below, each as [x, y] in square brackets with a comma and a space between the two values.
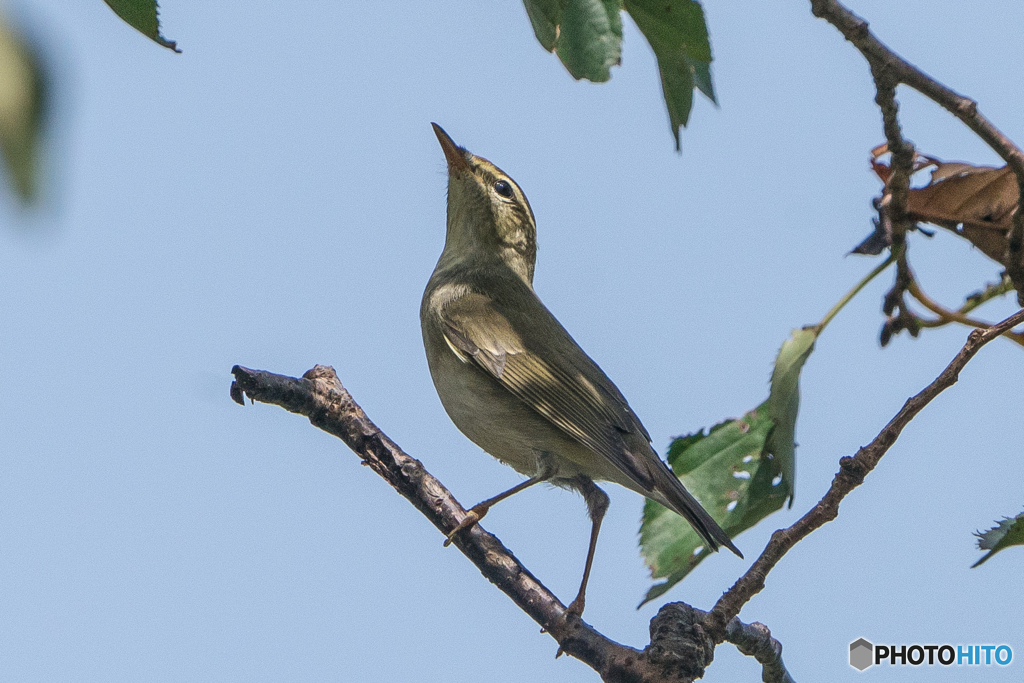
[680, 501]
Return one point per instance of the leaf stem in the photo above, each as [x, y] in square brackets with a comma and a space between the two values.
[853, 292]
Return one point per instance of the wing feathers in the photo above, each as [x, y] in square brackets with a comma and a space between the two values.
[579, 405]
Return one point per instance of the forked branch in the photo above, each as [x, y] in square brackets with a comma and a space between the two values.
[889, 70]
[852, 471]
[683, 639]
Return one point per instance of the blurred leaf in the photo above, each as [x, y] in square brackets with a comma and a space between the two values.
[678, 33]
[741, 472]
[730, 472]
[975, 202]
[1009, 532]
[143, 15]
[586, 34]
[878, 241]
[784, 402]
[22, 102]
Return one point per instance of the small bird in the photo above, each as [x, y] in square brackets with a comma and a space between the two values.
[510, 376]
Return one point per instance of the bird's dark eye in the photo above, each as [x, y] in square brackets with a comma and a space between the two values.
[503, 188]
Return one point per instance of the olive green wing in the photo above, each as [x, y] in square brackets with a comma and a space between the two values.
[552, 375]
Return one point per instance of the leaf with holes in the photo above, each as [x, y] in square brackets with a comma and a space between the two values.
[1010, 531]
[784, 402]
[22, 107]
[143, 16]
[735, 479]
[741, 471]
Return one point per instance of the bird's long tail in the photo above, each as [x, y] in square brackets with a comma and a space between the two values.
[681, 501]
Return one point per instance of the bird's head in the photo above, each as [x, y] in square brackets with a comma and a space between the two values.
[488, 214]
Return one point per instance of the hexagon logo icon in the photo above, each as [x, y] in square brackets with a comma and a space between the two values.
[861, 654]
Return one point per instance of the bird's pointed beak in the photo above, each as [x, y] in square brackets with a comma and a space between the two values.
[456, 156]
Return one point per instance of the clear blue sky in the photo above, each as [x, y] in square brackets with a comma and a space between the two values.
[274, 197]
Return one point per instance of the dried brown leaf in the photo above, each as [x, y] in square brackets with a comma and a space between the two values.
[975, 202]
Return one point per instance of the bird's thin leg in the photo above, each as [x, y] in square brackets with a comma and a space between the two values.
[597, 505]
[477, 512]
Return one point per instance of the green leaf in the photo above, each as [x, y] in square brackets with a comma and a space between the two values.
[784, 402]
[142, 15]
[586, 34]
[741, 471]
[590, 38]
[702, 77]
[1010, 531]
[731, 474]
[678, 34]
[677, 85]
[22, 104]
[673, 25]
[545, 15]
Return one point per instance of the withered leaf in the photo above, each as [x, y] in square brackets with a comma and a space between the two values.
[976, 202]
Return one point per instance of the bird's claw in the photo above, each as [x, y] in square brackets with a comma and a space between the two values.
[575, 609]
[471, 518]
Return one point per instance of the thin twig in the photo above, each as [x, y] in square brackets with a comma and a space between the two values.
[990, 292]
[852, 471]
[947, 316]
[897, 188]
[899, 317]
[889, 70]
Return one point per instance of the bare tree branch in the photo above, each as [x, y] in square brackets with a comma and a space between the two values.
[755, 640]
[680, 648]
[889, 70]
[894, 205]
[852, 471]
[320, 396]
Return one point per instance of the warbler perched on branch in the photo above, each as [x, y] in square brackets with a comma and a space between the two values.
[513, 380]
